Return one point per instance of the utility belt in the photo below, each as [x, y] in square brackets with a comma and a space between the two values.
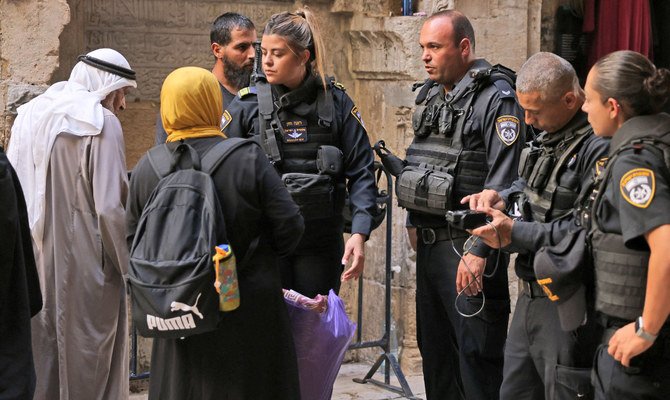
[532, 289]
[434, 235]
[425, 189]
[319, 195]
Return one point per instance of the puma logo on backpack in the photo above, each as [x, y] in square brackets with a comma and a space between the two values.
[171, 275]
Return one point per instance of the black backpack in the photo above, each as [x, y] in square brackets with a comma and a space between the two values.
[171, 275]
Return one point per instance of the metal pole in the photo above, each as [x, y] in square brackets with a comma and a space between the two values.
[384, 342]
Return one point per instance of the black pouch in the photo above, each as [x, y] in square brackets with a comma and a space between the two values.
[423, 120]
[313, 193]
[425, 190]
[329, 161]
[529, 156]
[543, 167]
[445, 123]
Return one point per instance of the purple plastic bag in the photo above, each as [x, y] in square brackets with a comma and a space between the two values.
[320, 341]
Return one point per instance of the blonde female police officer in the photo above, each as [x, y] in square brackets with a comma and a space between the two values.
[313, 133]
[630, 226]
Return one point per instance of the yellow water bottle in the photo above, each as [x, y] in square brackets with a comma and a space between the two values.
[226, 278]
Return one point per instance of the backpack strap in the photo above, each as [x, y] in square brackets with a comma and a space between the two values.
[213, 157]
[164, 160]
[210, 162]
[160, 159]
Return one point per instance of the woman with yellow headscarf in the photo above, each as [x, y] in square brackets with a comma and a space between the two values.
[250, 355]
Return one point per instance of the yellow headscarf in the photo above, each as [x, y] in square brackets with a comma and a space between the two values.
[191, 104]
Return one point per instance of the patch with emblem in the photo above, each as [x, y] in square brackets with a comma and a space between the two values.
[226, 118]
[295, 131]
[638, 186]
[357, 115]
[507, 127]
[600, 165]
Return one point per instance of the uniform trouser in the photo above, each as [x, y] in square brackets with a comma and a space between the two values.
[541, 360]
[312, 274]
[648, 376]
[462, 357]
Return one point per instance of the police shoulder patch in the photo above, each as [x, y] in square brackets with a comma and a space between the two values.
[246, 91]
[226, 118]
[638, 187]
[507, 127]
[357, 114]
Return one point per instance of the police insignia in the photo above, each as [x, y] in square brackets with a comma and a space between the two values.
[638, 186]
[226, 118]
[600, 165]
[357, 115]
[508, 129]
[295, 131]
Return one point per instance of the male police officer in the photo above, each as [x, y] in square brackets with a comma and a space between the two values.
[468, 136]
[553, 171]
[232, 36]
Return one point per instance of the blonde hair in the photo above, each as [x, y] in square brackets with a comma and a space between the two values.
[301, 31]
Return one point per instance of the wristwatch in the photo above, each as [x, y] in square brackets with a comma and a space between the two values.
[639, 331]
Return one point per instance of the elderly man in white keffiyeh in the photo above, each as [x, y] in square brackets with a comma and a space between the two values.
[68, 150]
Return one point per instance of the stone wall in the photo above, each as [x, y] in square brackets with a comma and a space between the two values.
[372, 50]
[29, 48]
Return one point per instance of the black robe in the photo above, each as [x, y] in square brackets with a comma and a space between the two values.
[20, 296]
[251, 355]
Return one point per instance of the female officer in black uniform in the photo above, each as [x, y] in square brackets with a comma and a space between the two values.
[631, 226]
[313, 133]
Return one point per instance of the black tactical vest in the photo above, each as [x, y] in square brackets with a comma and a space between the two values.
[621, 273]
[549, 201]
[298, 137]
[439, 125]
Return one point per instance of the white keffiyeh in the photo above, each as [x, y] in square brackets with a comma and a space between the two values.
[74, 107]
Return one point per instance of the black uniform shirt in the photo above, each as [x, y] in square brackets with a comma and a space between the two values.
[242, 121]
[636, 198]
[493, 104]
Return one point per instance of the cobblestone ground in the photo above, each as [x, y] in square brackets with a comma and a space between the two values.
[346, 389]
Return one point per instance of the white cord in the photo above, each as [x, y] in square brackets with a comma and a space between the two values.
[469, 242]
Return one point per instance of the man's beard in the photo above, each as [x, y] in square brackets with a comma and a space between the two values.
[237, 76]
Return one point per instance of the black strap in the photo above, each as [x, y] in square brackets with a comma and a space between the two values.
[325, 108]
[269, 123]
[164, 160]
[218, 153]
[425, 88]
